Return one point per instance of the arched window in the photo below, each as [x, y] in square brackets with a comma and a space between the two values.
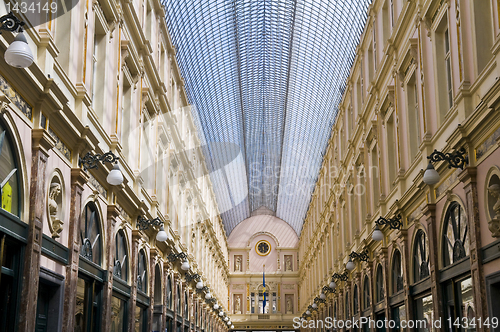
[90, 234]
[142, 276]
[121, 258]
[347, 311]
[355, 308]
[335, 310]
[366, 293]
[178, 300]
[455, 236]
[420, 257]
[186, 307]
[169, 292]
[9, 175]
[379, 284]
[397, 272]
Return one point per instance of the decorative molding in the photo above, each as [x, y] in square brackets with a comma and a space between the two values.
[60, 145]
[93, 181]
[16, 98]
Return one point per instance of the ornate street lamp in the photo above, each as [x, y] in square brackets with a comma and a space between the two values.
[174, 257]
[342, 277]
[456, 159]
[393, 223]
[191, 277]
[362, 256]
[18, 54]
[143, 224]
[89, 161]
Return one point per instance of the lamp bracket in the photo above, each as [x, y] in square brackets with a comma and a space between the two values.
[10, 22]
[143, 223]
[90, 161]
[455, 159]
[362, 256]
[393, 223]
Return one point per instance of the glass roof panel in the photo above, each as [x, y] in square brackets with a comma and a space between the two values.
[265, 78]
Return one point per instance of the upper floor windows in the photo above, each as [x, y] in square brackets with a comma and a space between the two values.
[90, 234]
[397, 272]
[9, 175]
[121, 258]
[455, 235]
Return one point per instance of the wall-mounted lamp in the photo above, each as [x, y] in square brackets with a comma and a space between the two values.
[208, 296]
[143, 224]
[203, 289]
[216, 306]
[211, 300]
[89, 161]
[191, 277]
[362, 256]
[393, 223]
[342, 277]
[221, 313]
[328, 289]
[456, 159]
[232, 326]
[18, 54]
[185, 264]
[319, 299]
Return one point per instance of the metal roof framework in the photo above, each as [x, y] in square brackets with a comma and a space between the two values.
[266, 77]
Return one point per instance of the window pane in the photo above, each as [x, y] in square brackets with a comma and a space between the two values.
[117, 315]
[139, 321]
[10, 191]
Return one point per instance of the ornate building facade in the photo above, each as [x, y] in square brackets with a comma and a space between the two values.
[425, 77]
[76, 253]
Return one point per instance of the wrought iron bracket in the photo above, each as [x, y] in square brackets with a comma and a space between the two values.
[203, 290]
[318, 300]
[143, 223]
[327, 290]
[10, 22]
[362, 256]
[343, 277]
[191, 277]
[90, 161]
[393, 223]
[455, 159]
[172, 257]
[211, 301]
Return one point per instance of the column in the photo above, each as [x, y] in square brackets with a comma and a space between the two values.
[468, 178]
[153, 254]
[430, 221]
[42, 143]
[78, 179]
[112, 214]
[136, 236]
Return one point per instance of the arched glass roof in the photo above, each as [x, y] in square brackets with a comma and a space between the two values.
[265, 77]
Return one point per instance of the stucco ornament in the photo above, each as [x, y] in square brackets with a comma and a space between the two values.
[494, 223]
[55, 224]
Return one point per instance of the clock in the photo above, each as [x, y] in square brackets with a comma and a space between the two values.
[263, 248]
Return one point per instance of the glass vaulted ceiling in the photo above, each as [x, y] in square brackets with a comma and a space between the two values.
[265, 79]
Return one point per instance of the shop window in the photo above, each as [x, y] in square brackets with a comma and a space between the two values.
[121, 258]
[186, 311]
[118, 314]
[10, 263]
[9, 175]
[88, 306]
[142, 274]
[455, 236]
[90, 234]
[420, 257]
[140, 318]
[425, 313]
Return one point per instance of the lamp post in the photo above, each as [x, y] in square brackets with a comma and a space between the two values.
[89, 161]
[143, 224]
[393, 223]
[456, 159]
[18, 54]
[362, 256]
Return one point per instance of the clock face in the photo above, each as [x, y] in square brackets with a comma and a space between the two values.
[263, 248]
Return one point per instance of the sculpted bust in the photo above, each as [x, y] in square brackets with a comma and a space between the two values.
[54, 222]
[494, 223]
